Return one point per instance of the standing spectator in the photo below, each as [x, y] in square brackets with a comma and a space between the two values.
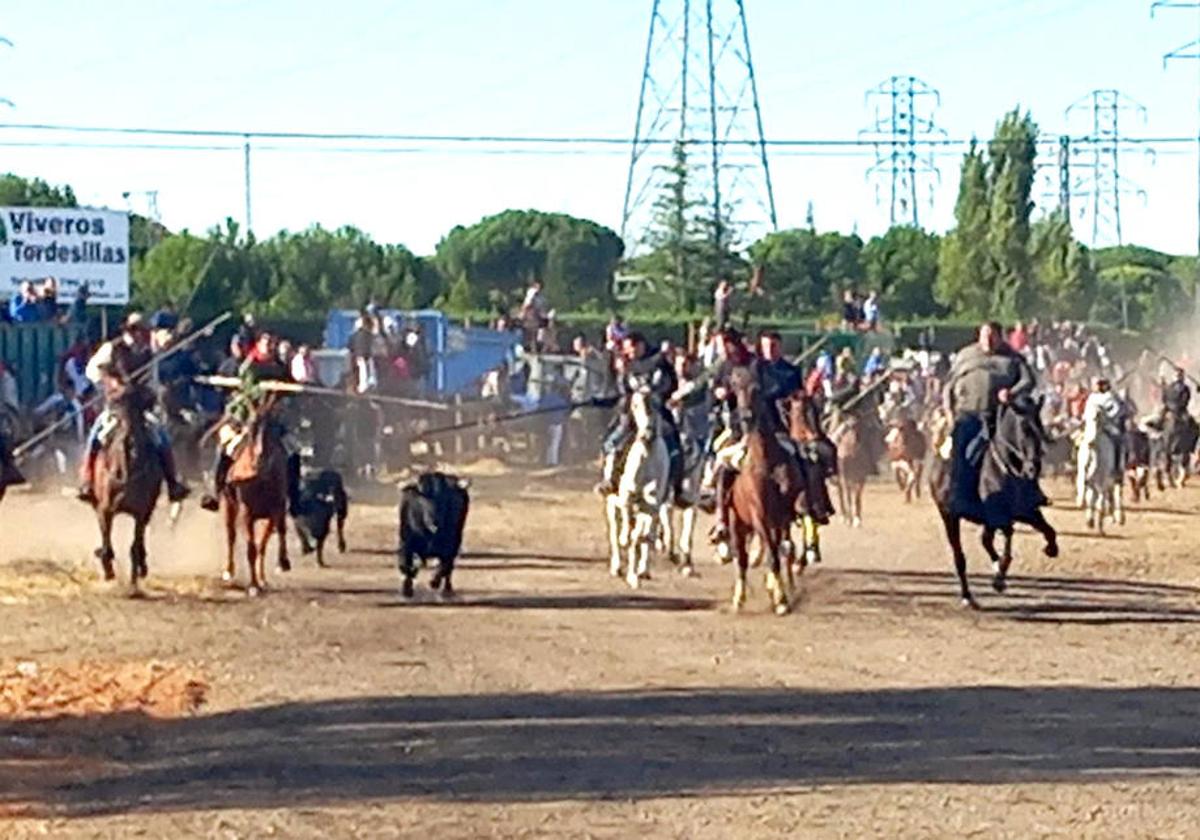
[614, 333]
[77, 311]
[723, 304]
[851, 312]
[361, 346]
[556, 399]
[547, 337]
[1018, 338]
[875, 363]
[165, 318]
[303, 369]
[248, 331]
[48, 300]
[24, 307]
[870, 311]
[533, 314]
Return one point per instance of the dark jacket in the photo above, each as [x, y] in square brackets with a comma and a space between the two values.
[977, 377]
[1176, 397]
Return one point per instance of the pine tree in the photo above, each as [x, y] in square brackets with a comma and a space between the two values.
[965, 274]
[1010, 178]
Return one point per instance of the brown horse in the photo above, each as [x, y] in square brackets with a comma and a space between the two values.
[257, 491]
[128, 479]
[906, 448]
[854, 466]
[763, 497]
[804, 428]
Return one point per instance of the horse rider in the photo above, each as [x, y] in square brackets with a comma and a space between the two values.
[261, 364]
[640, 369]
[1111, 415]
[690, 406]
[1176, 396]
[778, 379]
[113, 367]
[986, 376]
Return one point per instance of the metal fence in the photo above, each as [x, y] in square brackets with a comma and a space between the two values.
[31, 352]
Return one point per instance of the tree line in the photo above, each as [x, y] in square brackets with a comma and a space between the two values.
[997, 261]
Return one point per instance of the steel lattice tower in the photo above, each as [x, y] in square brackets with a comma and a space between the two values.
[1102, 183]
[698, 90]
[901, 132]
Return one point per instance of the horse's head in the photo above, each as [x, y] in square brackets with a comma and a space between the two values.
[645, 420]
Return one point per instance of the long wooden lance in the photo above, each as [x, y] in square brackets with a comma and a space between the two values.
[138, 373]
[807, 354]
[508, 418]
[1173, 364]
[277, 386]
[857, 398]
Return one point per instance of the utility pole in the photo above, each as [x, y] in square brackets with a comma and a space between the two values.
[902, 130]
[1104, 184]
[1191, 51]
[699, 94]
[246, 177]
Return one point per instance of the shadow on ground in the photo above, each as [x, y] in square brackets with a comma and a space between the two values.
[521, 747]
[1068, 600]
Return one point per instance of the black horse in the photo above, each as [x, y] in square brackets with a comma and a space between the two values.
[1008, 494]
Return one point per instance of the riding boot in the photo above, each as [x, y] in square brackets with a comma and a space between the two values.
[211, 501]
[177, 491]
[87, 473]
[724, 481]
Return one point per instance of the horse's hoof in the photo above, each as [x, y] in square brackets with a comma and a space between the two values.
[306, 549]
[969, 602]
[999, 583]
[687, 571]
[284, 564]
[1051, 550]
[226, 577]
[614, 571]
[857, 523]
[253, 591]
[406, 588]
[782, 609]
[341, 546]
[633, 581]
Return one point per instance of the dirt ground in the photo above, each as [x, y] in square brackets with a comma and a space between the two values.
[549, 700]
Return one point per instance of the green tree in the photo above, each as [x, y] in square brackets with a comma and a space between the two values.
[805, 271]
[902, 265]
[965, 275]
[1065, 278]
[575, 258]
[16, 191]
[1011, 166]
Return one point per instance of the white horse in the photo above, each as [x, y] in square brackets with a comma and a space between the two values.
[639, 513]
[1099, 478]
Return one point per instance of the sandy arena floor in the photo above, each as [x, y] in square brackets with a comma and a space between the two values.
[550, 700]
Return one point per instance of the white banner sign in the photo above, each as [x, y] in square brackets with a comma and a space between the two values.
[75, 245]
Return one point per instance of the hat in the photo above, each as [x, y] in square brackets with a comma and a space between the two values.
[134, 321]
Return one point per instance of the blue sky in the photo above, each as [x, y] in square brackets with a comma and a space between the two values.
[552, 67]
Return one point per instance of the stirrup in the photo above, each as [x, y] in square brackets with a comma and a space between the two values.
[210, 503]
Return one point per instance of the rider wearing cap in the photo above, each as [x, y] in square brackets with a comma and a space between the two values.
[114, 366]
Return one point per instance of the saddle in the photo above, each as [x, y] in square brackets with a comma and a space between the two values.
[252, 453]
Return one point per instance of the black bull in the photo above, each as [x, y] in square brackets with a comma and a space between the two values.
[1008, 494]
[433, 514]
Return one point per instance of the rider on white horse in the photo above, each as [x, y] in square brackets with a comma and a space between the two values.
[640, 369]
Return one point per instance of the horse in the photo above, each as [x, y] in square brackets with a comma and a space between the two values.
[256, 490]
[1180, 433]
[854, 466]
[1099, 474]
[10, 475]
[1009, 493]
[128, 478]
[906, 448]
[804, 430]
[763, 496]
[638, 513]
